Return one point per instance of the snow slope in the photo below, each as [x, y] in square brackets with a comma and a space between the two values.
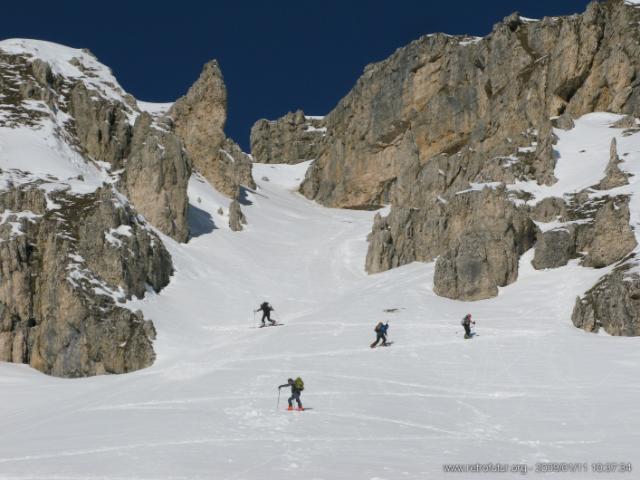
[529, 388]
[62, 60]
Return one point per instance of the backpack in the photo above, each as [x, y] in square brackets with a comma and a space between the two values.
[378, 327]
[298, 384]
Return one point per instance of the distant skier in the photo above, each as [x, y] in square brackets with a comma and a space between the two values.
[466, 323]
[297, 386]
[381, 334]
[266, 312]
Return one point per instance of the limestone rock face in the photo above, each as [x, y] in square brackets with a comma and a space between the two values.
[613, 303]
[155, 168]
[101, 125]
[451, 92]
[199, 119]
[63, 274]
[75, 242]
[156, 176]
[291, 139]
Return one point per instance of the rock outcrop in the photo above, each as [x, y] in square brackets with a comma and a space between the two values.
[613, 176]
[612, 304]
[199, 119]
[476, 253]
[236, 217]
[628, 121]
[596, 230]
[291, 139]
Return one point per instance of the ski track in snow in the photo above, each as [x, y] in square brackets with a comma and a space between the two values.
[530, 388]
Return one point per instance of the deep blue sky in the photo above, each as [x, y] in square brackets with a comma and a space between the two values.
[276, 56]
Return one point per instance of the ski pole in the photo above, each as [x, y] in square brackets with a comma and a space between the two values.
[278, 404]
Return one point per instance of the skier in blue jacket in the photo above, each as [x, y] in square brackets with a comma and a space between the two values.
[381, 334]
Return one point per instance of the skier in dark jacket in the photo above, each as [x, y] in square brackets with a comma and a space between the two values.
[295, 394]
[381, 334]
[266, 312]
[466, 323]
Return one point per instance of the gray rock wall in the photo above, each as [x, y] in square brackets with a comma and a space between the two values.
[291, 139]
[68, 261]
[447, 92]
[64, 273]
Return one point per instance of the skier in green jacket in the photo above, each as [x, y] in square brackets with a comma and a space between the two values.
[296, 389]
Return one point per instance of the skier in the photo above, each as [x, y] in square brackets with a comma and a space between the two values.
[466, 323]
[297, 386]
[266, 312]
[381, 334]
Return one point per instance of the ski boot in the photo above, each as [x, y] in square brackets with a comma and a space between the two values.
[301, 408]
[290, 407]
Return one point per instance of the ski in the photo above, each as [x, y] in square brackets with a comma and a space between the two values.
[271, 325]
[388, 344]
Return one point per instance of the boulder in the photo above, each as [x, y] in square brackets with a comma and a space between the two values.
[475, 267]
[554, 248]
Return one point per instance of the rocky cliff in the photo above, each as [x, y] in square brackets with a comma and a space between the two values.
[460, 135]
[85, 175]
[444, 95]
[293, 138]
[66, 272]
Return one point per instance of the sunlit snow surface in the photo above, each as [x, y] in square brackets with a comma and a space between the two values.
[529, 388]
